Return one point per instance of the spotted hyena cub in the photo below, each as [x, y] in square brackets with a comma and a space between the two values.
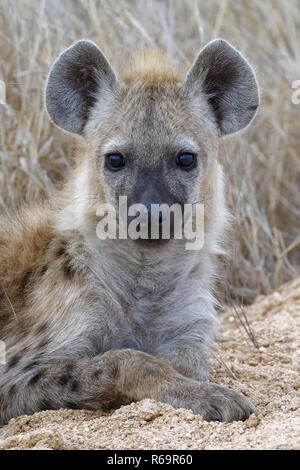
[91, 323]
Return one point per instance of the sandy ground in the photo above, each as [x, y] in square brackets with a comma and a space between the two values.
[268, 375]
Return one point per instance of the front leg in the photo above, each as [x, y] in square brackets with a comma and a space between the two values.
[190, 361]
[112, 379]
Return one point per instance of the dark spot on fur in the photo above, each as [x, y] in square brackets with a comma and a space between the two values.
[25, 280]
[63, 249]
[24, 351]
[30, 366]
[46, 247]
[69, 271]
[69, 368]
[39, 356]
[13, 361]
[115, 371]
[97, 374]
[35, 379]
[64, 379]
[74, 386]
[12, 389]
[43, 344]
[46, 405]
[44, 270]
[71, 405]
[115, 403]
[42, 328]
[253, 108]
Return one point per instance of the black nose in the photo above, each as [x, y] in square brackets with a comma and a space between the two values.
[156, 202]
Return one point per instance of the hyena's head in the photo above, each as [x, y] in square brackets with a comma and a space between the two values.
[152, 133]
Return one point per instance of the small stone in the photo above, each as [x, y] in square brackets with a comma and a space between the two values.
[252, 421]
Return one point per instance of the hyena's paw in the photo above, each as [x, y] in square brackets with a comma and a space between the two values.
[222, 404]
[215, 403]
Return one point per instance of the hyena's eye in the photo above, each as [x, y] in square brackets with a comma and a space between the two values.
[115, 161]
[186, 161]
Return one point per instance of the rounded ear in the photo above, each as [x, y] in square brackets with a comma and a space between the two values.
[229, 83]
[73, 82]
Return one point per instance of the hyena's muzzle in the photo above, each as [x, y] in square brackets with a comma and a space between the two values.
[153, 209]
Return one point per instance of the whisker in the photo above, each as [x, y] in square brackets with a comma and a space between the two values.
[10, 304]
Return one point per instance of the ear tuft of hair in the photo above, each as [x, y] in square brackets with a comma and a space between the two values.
[151, 67]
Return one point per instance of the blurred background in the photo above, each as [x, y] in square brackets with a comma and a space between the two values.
[262, 164]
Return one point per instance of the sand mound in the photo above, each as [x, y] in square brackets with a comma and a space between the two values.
[268, 375]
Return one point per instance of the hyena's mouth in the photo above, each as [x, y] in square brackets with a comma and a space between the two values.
[152, 242]
[156, 239]
[155, 233]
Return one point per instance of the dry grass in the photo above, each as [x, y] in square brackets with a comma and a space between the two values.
[262, 164]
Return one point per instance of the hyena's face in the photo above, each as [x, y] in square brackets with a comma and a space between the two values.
[151, 147]
[151, 134]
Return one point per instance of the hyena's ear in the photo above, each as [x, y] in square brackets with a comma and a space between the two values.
[73, 82]
[229, 83]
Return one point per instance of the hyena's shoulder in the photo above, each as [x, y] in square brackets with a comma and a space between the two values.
[29, 246]
[23, 238]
